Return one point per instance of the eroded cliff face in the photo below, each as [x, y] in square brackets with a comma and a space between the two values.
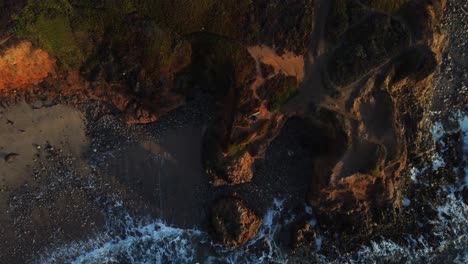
[381, 74]
[359, 87]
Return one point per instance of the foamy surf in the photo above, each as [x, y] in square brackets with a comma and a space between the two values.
[141, 242]
[130, 240]
[451, 225]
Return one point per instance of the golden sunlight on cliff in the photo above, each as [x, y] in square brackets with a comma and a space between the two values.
[22, 65]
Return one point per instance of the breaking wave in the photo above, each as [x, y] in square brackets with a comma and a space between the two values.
[450, 228]
[128, 240]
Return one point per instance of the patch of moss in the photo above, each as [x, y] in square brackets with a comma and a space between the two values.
[391, 7]
[264, 127]
[338, 19]
[66, 28]
[376, 171]
[4, 16]
[226, 18]
[417, 63]
[282, 98]
[221, 64]
[286, 24]
[73, 30]
[47, 24]
[182, 16]
[236, 150]
[145, 41]
[366, 46]
[420, 17]
[343, 14]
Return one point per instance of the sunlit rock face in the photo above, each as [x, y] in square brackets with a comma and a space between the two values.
[234, 223]
[22, 64]
[323, 103]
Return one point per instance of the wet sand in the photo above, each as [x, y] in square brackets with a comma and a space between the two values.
[166, 172]
[39, 148]
[24, 131]
[58, 175]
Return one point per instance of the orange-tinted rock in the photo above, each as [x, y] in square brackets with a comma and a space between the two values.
[349, 205]
[22, 65]
[233, 223]
[239, 170]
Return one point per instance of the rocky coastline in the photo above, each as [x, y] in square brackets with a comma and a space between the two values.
[202, 114]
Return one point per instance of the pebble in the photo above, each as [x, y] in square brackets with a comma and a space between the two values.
[10, 157]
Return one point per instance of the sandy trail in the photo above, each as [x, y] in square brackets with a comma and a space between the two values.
[288, 63]
[312, 89]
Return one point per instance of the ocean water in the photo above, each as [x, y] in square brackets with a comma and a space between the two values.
[130, 240]
[138, 241]
[451, 224]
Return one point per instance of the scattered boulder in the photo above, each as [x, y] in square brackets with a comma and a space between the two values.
[239, 170]
[234, 224]
[302, 233]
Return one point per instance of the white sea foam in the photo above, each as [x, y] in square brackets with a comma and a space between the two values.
[450, 226]
[155, 242]
[437, 162]
[463, 123]
[414, 174]
[406, 202]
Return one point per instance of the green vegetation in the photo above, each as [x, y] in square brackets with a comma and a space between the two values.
[73, 30]
[69, 29]
[417, 63]
[4, 15]
[338, 20]
[385, 5]
[225, 19]
[186, 17]
[264, 127]
[376, 171]
[47, 24]
[221, 64]
[366, 46]
[236, 150]
[181, 15]
[282, 98]
[343, 14]
[346, 13]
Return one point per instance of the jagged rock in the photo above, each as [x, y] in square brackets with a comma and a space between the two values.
[348, 206]
[239, 170]
[301, 233]
[234, 224]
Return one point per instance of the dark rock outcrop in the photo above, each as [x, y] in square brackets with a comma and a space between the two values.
[234, 224]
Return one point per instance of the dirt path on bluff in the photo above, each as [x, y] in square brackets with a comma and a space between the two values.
[312, 89]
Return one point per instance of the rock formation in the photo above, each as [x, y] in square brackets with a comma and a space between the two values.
[234, 223]
[357, 78]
